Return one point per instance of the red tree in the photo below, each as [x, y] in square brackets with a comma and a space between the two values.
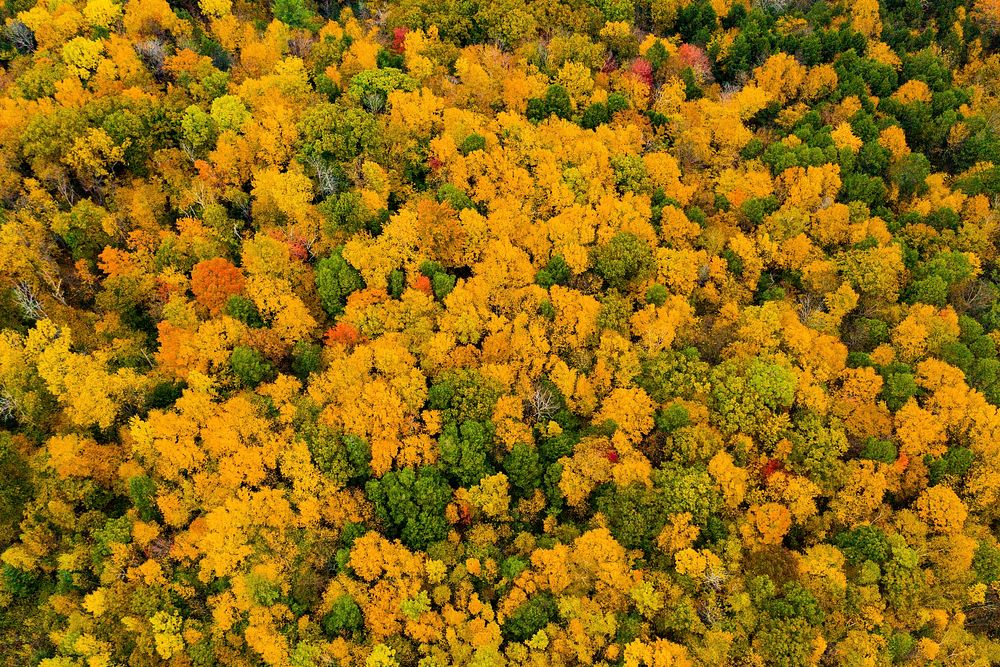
[214, 281]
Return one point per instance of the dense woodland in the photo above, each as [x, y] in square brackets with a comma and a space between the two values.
[492, 332]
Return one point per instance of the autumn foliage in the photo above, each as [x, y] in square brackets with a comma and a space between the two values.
[500, 333]
[213, 281]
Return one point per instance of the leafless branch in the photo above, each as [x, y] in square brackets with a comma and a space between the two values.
[65, 188]
[542, 404]
[326, 177]
[20, 36]
[714, 579]
[153, 53]
[8, 406]
[373, 102]
[28, 301]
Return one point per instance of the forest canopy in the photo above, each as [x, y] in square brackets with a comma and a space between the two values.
[419, 333]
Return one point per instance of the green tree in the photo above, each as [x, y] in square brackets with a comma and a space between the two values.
[142, 491]
[379, 82]
[343, 618]
[335, 280]
[15, 490]
[747, 396]
[523, 468]
[243, 309]
[625, 258]
[249, 366]
[337, 133]
[555, 272]
[293, 12]
[342, 457]
[530, 617]
[464, 395]
[411, 503]
[464, 451]
[910, 174]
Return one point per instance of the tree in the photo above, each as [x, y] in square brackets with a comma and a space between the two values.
[986, 12]
[555, 272]
[464, 450]
[293, 12]
[343, 618]
[507, 22]
[625, 258]
[753, 398]
[940, 507]
[214, 281]
[411, 502]
[523, 467]
[336, 133]
[17, 490]
[335, 280]
[696, 21]
[376, 84]
[910, 174]
[142, 490]
[530, 617]
[249, 366]
[633, 515]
